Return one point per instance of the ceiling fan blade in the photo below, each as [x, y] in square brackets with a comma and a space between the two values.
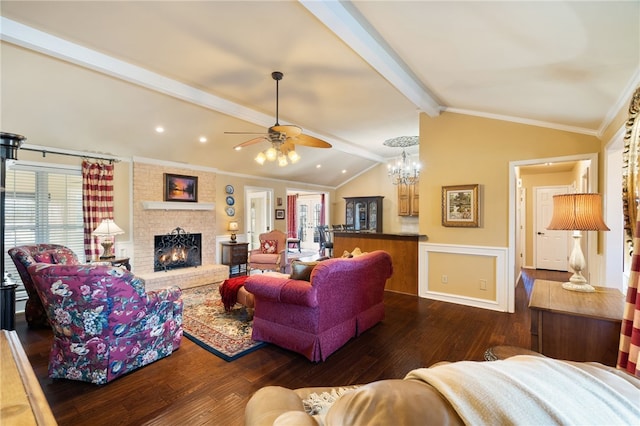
[311, 141]
[287, 146]
[289, 130]
[251, 142]
[245, 133]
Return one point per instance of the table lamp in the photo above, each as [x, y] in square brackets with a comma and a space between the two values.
[107, 230]
[577, 212]
[233, 227]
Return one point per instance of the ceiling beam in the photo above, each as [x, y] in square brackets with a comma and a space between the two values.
[352, 30]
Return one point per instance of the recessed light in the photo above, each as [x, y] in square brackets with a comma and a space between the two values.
[160, 129]
[344, 171]
[237, 148]
[203, 139]
[318, 166]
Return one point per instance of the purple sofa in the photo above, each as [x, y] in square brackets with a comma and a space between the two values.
[343, 299]
[104, 323]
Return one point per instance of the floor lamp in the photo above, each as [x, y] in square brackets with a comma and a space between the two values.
[9, 145]
[577, 212]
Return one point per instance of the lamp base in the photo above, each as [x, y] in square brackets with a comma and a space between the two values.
[233, 238]
[107, 250]
[582, 287]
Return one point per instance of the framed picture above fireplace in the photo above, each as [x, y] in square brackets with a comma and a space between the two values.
[180, 188]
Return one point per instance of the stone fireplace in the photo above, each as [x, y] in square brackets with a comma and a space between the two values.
[177, 249]
[152, 217]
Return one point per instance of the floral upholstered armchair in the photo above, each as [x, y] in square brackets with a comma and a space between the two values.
[272, 253]
[104, 323]
[25, 256]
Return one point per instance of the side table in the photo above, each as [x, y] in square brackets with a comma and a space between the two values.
[236, 256]
[116, 261]
[576, 326]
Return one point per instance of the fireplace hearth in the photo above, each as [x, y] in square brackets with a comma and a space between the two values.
[177, 249]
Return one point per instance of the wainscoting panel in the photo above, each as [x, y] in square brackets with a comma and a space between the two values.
[467, 275]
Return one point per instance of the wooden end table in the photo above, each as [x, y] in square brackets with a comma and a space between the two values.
[576, 326]
[116, 261]
[236, 256]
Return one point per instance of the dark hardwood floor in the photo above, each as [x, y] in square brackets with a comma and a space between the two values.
[193, 386]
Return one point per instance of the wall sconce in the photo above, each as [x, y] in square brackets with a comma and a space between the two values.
[107, 230]
[577, 212]
[233, 227]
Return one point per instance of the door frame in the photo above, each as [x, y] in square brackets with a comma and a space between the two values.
[513, 274]
[266, 218]
[327, 202]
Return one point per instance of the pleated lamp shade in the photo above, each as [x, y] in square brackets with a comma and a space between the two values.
[577, 212]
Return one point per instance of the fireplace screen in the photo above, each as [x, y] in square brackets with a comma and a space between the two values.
[178, 249]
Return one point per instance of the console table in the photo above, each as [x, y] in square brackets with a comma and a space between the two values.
[22, 401]
[235, 255]
[576, 326]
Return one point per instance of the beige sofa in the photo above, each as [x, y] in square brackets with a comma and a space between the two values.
[523, 389]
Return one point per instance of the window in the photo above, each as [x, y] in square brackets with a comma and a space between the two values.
[43, 204]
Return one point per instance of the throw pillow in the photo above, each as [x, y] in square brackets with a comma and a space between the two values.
[269, 246]
[302, 270]
[355, 253]
[43, 257]
[63, 258]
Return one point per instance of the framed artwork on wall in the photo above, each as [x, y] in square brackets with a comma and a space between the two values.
[180, 188]
[460, 206]
[279, 214]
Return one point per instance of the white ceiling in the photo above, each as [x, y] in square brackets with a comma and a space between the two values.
[99, 76]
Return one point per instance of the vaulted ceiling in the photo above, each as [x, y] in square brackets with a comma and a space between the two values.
[100, 76]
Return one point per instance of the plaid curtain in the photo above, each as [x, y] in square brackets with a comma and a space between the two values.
[292, 216]
[629, 353]
[97, 201]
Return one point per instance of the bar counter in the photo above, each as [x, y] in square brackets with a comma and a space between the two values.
[403, 249]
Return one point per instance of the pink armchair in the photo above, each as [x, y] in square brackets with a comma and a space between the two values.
[25, 256]
[272, 253]
[343, 299]
[104, 323]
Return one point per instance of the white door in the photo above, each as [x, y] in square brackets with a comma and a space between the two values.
[309, 218]
[552, 247]
[257, 213]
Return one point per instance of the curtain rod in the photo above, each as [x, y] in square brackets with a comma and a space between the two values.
[92, 157]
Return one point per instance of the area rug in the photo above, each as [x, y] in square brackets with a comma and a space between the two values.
[205, 322]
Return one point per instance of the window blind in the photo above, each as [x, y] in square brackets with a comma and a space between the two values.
[43, 204]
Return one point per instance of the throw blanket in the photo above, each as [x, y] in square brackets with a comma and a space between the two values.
[528, 390]
[229, 291]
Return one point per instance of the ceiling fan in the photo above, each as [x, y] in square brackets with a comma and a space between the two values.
[283, 137]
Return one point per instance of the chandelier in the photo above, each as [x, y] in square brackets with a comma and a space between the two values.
[281, 151]
[404, 170]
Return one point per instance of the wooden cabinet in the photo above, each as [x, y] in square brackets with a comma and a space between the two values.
[408, 199]
[364, 213]
[403, 249]
[235, 255]
[576, 326]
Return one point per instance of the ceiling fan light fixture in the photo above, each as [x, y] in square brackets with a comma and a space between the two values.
[282, 160]
[261, 158]
[293, 156]
[271, 154]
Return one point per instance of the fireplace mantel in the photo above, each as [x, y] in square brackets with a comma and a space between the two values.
[163, 205]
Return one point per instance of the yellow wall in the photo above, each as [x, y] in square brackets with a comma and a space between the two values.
[457, 270]
[239, 183]
[458, 149]
[374, 182]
